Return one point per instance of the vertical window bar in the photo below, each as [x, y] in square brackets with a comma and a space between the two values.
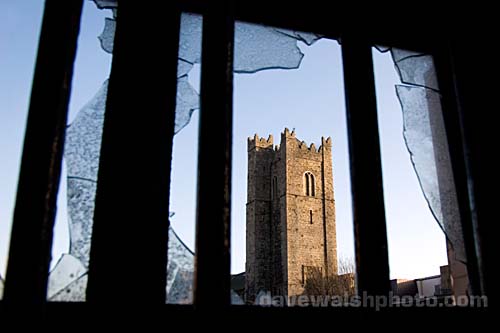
[212, 276]
[130, 231]
[35, 210]
[474, 103]
[372, 263]
[451, 115]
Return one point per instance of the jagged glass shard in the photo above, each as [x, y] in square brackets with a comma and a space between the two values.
[426, 142]
[81, 198]
[180, 270]
[67, 270]
[187, 101]
[306, 37]
[258, 48]
[400, 54]
[419, 71]
[74, 292]
[288, 32]
[183, 67]
[382, 49]
[83, 138]
[107, 37]
[190, 38]
[103, 4]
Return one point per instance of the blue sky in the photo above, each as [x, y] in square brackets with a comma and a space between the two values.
[309, 99]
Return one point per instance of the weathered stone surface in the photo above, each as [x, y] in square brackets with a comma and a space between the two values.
[288, 228]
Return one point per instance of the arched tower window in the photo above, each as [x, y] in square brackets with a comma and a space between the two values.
[309, 184]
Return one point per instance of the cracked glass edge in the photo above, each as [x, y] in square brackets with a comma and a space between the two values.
[382, 49]
[68, 279]
[426, 142]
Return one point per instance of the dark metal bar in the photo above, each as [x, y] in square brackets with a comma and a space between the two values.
[316, 17]
[464, 102]
[128, 256]
[372, 263]
[475, 100]
[35, 210]
[451, 117]
[212, 277]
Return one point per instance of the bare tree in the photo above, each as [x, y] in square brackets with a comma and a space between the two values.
[340, 284]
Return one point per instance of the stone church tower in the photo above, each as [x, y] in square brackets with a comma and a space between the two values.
[290, 215]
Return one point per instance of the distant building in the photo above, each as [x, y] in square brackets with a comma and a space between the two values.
[290, 215]
[437, 286]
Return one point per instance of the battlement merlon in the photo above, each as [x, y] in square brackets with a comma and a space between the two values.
[290, 139]
[326, 143]
[287, 134]
[258, 142]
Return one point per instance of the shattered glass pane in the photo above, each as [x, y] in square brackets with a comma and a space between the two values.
[107, 36]
[180, 271]
[418, 71]
[306, 37]
[67, 271]
[183, 68]
[425, 138]
[189, 54]
[73, 292]
[187, 103]
[190, 38]
[399, 54]
[262, 47]
[426, 141]
[105, 4]
[382, 49]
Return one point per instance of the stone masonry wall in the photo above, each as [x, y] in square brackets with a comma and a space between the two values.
[287, 230]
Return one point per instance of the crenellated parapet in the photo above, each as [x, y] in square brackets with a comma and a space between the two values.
[289, 140]
[302, 146]
[258, 142]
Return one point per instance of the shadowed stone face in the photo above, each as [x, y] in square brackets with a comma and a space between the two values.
[290, 214]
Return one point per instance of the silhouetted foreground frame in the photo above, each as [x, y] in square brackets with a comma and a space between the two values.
[133, 216]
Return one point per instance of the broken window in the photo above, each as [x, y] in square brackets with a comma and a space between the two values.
[83, 141]
[271, 235]
[263, 48]
[419, 120]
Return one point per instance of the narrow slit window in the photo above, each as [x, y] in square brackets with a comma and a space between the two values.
[307, 184]
[312, 185]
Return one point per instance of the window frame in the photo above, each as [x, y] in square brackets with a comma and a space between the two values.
[41, 161]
